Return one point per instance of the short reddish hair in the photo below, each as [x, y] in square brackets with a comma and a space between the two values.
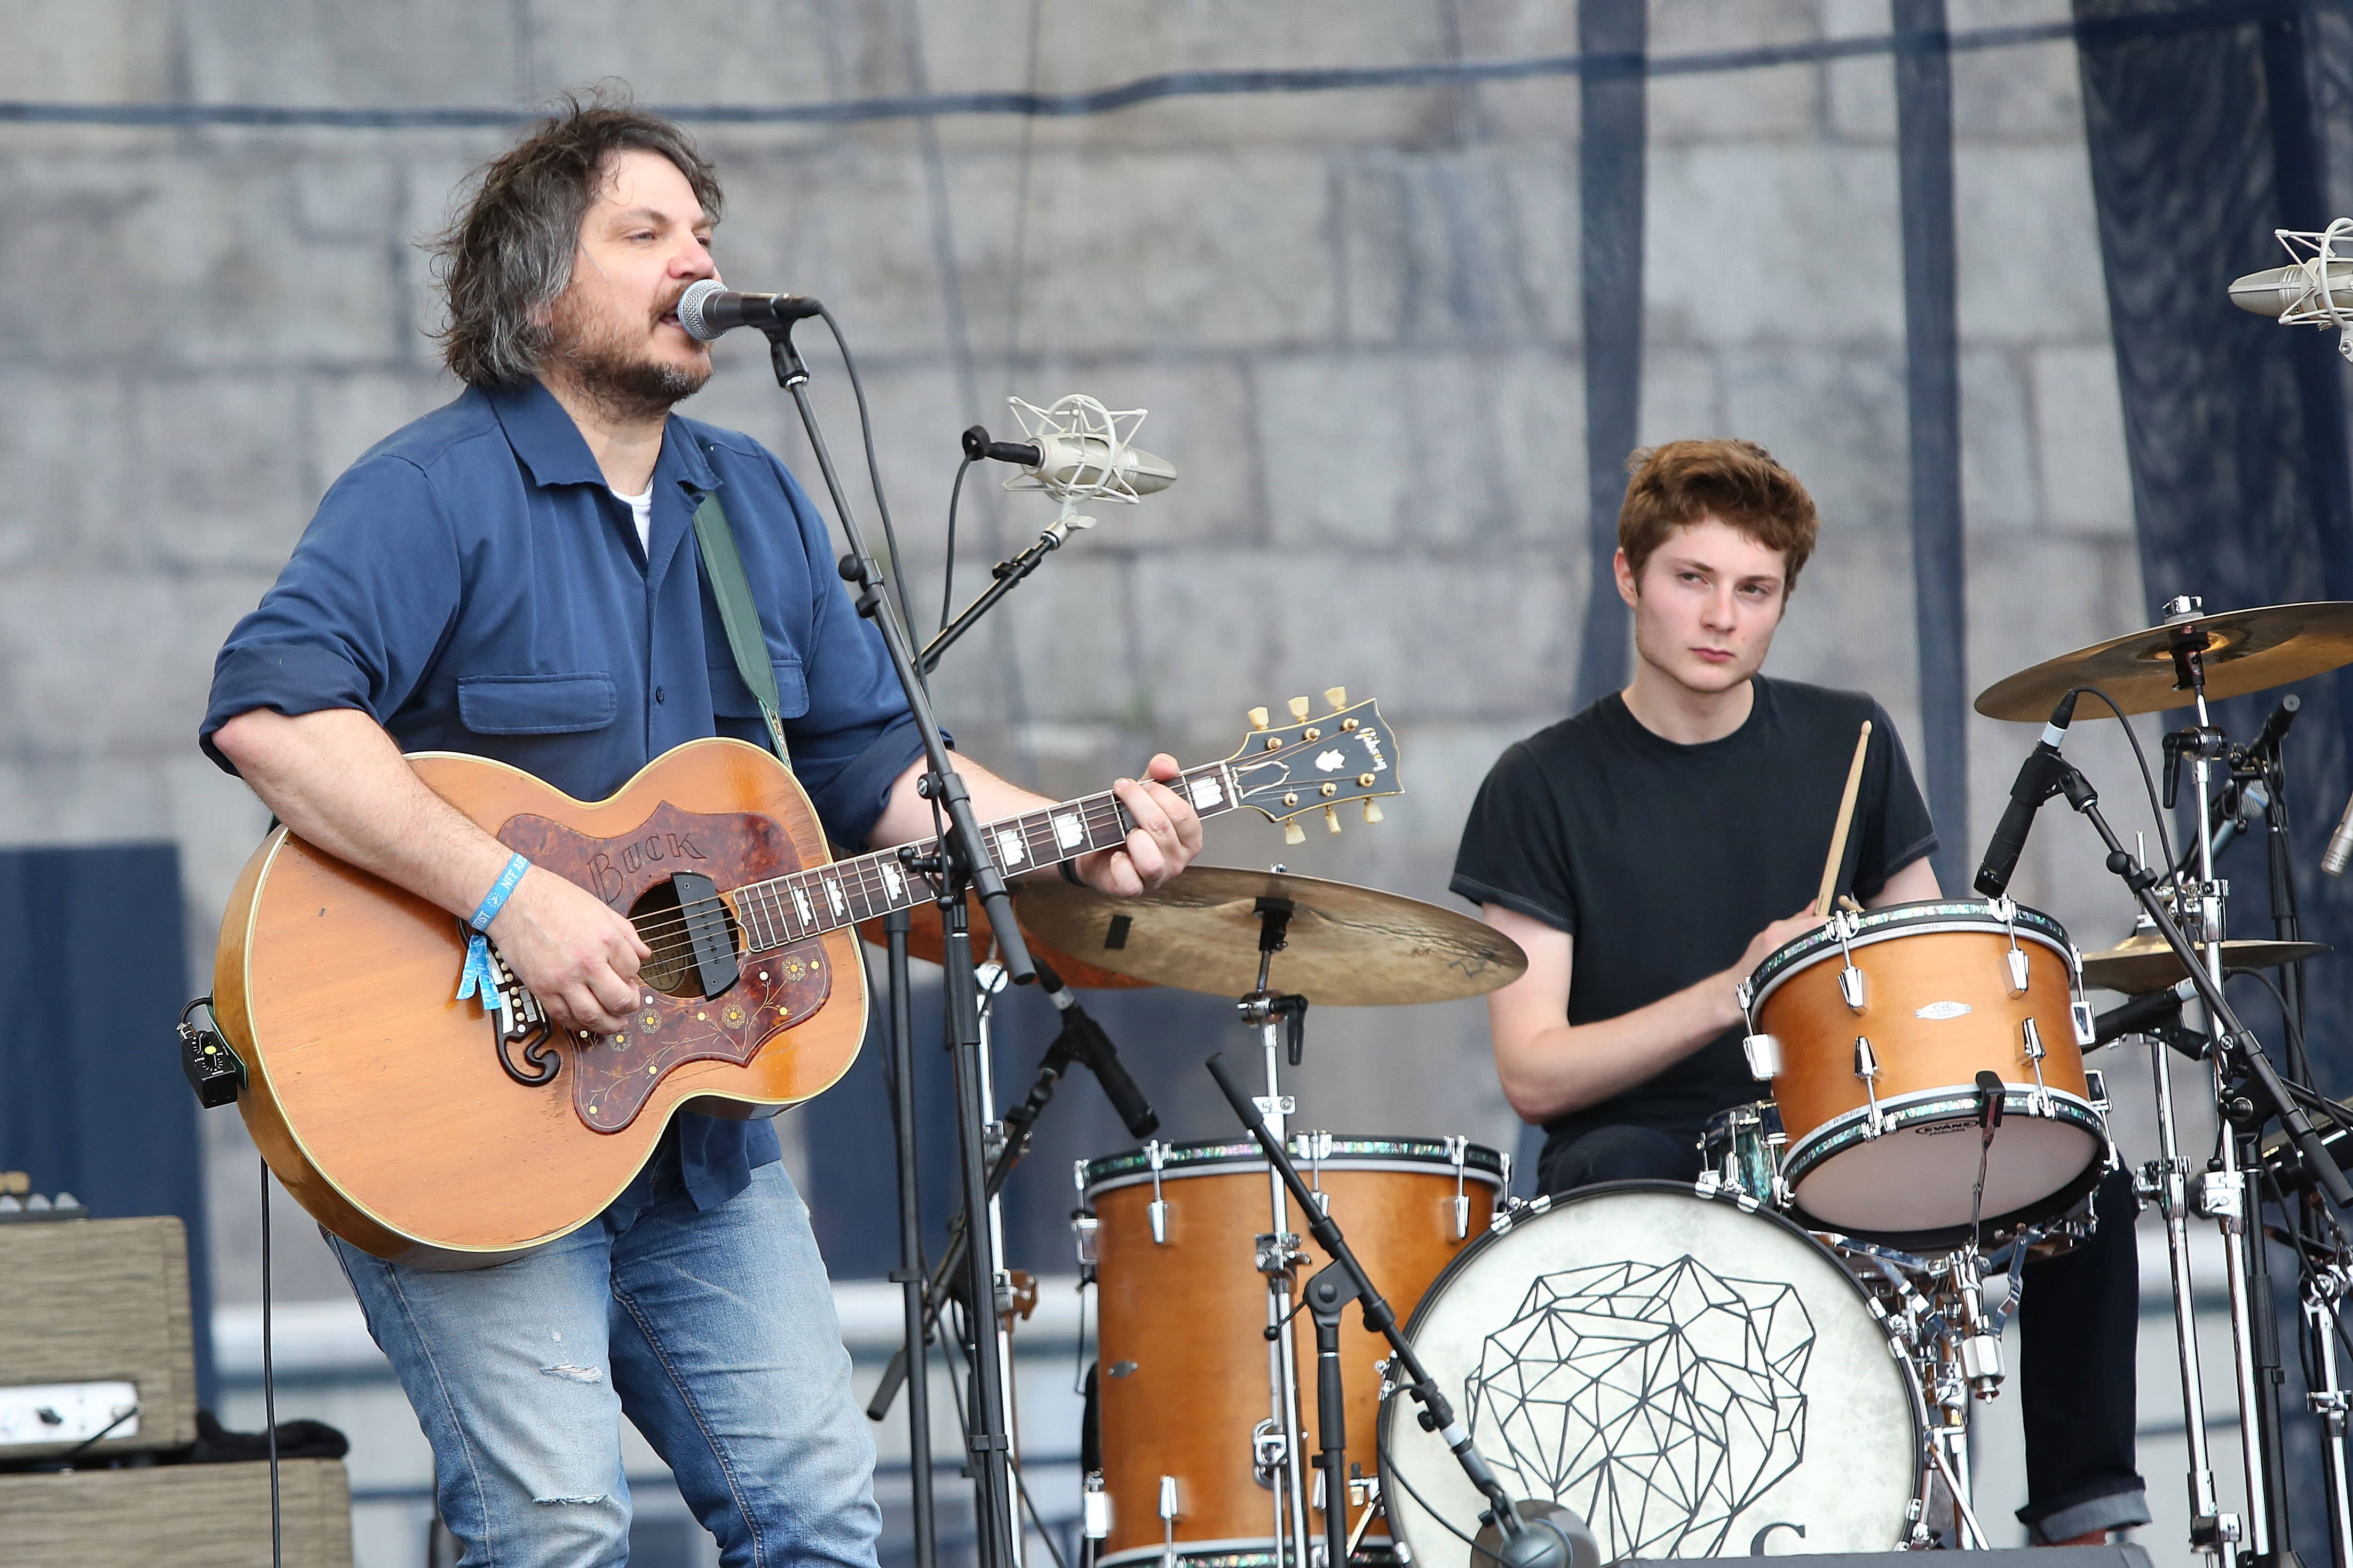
[1737, 482]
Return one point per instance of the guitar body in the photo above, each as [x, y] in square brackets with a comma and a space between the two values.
[383, 1103]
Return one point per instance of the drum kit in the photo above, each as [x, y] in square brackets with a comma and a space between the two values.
[1781, 1357]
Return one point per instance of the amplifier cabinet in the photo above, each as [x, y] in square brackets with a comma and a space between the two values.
[101, 1301]
[190, 1516]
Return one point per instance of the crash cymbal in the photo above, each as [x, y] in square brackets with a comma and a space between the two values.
[2142, 964]
[1347, 946]
[924, 941]
[2247, 650]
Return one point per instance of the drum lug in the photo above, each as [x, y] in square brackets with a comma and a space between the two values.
[1866, 1067]
[1086, 1234]
[1764, 1053]
[2035, 1052]
[1094, 1508]
[1458, 1148]
[2006, 910]
[1157, 1153]
[1845, 924]
[1168, 1517]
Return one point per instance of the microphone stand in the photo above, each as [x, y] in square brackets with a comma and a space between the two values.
[1008, 574]
[962, 862]
[1527, 1543]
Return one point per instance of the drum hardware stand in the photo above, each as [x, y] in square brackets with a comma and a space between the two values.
[1275, 1015]
[1556, 1538]
[909, 1276]
[2323, 1288]
[2221, 1194]
[963, 863]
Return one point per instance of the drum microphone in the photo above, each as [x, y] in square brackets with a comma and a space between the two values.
[1083, 1040]
[2339, 852]
[2038, 780]
[2143, 1015]
[706, 309]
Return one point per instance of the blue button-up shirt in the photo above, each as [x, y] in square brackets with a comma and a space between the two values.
[473, 585]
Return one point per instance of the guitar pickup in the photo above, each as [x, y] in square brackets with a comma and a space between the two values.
[705, 918]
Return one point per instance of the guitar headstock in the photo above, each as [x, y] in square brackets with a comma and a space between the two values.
[1286, 771]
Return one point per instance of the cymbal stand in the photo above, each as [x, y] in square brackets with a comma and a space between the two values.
[2223, 1195]
[1279, 1446]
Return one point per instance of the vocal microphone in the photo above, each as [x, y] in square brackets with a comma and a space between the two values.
[1062, 462]
[2038, 780]
[706, 309]
[2339, 852]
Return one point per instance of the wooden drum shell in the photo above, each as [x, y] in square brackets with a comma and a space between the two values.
[1187, 1320]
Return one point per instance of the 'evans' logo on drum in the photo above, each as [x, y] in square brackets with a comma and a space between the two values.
[1941, 1010]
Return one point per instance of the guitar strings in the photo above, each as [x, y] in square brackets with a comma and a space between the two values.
[864, 879]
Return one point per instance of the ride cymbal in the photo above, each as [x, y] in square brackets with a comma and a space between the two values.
[1345, 946]
[2142, 964]
[2246, 650]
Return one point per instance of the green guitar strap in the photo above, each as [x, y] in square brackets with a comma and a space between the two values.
[740, 615]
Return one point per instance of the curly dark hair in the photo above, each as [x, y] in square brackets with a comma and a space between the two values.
[1681, 482]
[502, 265]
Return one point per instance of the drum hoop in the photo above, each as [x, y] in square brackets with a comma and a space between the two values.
[1472, 1175]
[1805, 1156]
[1195, 1158]
[1239, 1552]
[1556, 1203]
[1912, 920]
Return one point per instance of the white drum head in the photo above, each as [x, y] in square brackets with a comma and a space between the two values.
[1695, 1381]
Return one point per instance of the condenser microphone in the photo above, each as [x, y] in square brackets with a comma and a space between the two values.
[706, 309]
[1062, 462]
[2339, 852]
[2294, 289]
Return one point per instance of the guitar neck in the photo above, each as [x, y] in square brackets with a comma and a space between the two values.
[827, 898]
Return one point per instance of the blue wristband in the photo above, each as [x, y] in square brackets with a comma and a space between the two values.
[476, 976]
[496, 899]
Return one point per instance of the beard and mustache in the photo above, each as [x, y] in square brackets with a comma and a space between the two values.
[607, 358]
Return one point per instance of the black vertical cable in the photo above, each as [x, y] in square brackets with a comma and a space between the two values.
[1612, 124]
[1924, 136]
[269, 1383]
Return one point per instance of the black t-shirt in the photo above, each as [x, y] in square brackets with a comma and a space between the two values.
[1664, 860]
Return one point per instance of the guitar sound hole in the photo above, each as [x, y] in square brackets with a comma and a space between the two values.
[663, 926]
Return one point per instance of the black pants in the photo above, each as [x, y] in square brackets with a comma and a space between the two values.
[2076, 1329]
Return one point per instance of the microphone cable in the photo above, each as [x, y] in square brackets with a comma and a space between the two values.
[874, 477]
[947, 568]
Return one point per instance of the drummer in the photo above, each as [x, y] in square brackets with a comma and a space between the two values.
[1672, 835]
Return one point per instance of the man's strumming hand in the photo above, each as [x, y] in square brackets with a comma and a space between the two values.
[579, 956]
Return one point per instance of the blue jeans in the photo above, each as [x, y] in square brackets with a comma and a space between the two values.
[714, 1332]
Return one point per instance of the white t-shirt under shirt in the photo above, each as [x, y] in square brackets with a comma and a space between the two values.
[642, 507]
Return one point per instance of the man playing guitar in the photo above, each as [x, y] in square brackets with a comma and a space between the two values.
[514, 575]
[1651, 851]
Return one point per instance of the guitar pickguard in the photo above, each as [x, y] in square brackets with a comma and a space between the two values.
[615, 1075]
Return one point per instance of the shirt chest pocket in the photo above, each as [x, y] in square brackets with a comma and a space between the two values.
[536, 704]
[731, 698]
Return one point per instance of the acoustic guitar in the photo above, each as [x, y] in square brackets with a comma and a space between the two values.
[457, 1134]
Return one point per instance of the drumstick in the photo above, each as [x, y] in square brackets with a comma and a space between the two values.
[1845, 821]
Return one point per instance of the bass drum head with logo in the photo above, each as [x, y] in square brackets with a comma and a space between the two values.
[1693, 1379]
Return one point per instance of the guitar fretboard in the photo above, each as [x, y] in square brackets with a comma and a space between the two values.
[827, 898]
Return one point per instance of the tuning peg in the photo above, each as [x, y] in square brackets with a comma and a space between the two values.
[1298, 707]
[1337, 696]
[1258, 718]
[1293, 833]
[1372, 811]
[1332, 818]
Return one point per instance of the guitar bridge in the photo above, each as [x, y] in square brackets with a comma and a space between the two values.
[517, 1019]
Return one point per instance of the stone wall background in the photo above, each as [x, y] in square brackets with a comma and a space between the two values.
[1352, 314]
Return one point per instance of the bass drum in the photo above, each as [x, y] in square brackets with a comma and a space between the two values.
[1693, 1379]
